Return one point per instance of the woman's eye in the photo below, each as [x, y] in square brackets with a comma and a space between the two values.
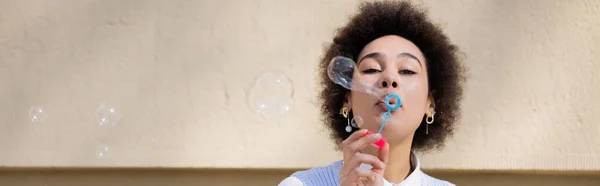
[406, 71]
[370, 71]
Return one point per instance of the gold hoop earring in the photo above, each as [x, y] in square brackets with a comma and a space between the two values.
[344, 112]
[429, 120]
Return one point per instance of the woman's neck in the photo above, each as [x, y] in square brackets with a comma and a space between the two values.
[398, 166]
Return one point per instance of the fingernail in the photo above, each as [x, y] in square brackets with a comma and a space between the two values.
[376, 135]
[368, 132]
[381, 143]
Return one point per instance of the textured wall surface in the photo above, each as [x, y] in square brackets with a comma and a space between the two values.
[179, 74]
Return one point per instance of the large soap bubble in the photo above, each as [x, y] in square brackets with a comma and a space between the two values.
[271, 95]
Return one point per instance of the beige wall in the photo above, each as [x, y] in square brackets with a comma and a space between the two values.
[179, 73]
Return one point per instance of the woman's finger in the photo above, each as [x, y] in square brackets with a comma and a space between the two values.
[349, 149]
[356, 174]
[358, 159]
[354, 136]
[382, 156]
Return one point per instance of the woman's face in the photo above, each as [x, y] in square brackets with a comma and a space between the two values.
[394, 65]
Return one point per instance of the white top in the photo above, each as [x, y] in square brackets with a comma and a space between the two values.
[416, 177]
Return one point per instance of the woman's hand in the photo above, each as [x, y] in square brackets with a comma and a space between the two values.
[351, 174]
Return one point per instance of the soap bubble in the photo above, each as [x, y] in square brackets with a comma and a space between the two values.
[341, 70]
[107, 116]
[271, 95]
[37, 114]
[357, 122]
[103, 151]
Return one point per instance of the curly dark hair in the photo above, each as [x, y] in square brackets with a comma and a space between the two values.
[445, 71]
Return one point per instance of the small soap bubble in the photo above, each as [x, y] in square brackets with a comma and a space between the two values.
[103, 151]
[357, 122]
[107, 116]
[271, 95]
[37, 114]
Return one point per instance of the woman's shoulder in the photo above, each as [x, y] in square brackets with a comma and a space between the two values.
[291, 181]
[324, 175]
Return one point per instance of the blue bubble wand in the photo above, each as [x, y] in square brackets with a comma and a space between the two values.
[387, 115]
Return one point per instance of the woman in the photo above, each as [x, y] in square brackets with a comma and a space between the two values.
[400, 51]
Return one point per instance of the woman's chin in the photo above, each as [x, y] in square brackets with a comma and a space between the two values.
[374, 123]
[390, 127]
[378, 121]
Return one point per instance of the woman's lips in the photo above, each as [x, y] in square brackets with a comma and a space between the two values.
[382, 105]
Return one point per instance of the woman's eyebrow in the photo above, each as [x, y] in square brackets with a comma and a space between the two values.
[409, 55]
[375, 55]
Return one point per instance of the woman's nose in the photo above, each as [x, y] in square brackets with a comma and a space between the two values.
[389, 81]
